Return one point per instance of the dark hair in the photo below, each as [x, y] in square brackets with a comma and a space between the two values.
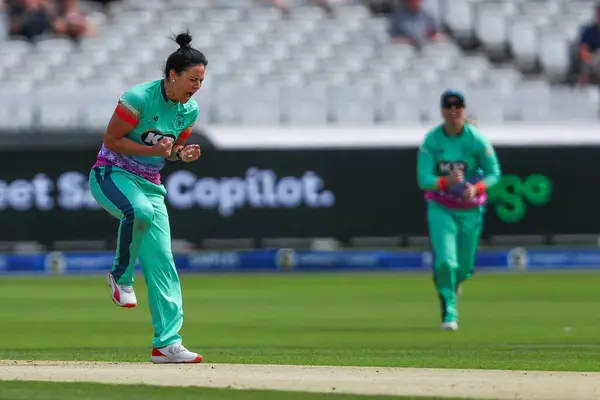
[184, 57]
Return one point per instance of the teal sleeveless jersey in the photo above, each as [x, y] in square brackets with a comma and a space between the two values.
[156, 117]
[441, 153]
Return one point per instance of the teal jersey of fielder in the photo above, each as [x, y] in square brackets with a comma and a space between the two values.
[470, 151]
[155, 117]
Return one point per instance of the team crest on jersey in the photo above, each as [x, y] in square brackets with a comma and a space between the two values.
[153, 136]
[179, 122]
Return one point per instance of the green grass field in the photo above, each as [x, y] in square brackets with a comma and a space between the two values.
[92, 391]
[507, 321]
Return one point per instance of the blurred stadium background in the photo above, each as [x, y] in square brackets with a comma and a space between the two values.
[300, 66]
[332, 71]
[310, 118]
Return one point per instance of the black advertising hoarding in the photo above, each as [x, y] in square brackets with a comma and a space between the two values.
[297, 193]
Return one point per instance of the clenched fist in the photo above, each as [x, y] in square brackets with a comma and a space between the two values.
[163, 147]
[190, 153]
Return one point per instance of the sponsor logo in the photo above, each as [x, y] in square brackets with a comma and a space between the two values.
[153, 136]
[257, 189]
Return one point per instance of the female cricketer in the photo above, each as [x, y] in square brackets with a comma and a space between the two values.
[456, 165]
[151, 123]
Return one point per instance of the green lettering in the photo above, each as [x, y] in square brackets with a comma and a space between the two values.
[506, 195]
[537, 189]
[512, 209]
[510, 193]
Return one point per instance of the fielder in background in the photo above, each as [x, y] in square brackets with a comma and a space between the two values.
[456, 165]
[151, 123]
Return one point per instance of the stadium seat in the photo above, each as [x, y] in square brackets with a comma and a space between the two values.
[15, 47]
[353, 104]
[546, 8]
[4, 24]
[491, 25]
[17, 108]
[304, 105]
[459, 16]
[401, 112]
[98, 102]
[568, 103]
[531, 100]
[487, 104]
[553, 53]
[58, 107]
[524, 41]
[258, 106]
[250, 44]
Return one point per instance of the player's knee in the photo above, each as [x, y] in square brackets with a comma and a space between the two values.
[143, 217]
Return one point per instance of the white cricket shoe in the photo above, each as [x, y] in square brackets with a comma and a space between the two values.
[449, 326]
[174, 353]
[121, 295]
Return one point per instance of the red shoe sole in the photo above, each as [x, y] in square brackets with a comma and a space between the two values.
[129, 305]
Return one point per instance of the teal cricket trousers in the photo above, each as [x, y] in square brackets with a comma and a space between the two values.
[454, 236]
[144, 233]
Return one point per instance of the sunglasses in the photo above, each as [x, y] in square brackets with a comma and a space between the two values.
[450, 104]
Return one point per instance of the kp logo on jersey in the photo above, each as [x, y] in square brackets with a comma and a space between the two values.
[153, 136]
[445, 167]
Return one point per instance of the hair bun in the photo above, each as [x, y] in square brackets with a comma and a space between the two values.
[184, 40]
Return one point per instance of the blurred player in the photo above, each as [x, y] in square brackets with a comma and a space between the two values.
[150, 124]
[456, 166]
